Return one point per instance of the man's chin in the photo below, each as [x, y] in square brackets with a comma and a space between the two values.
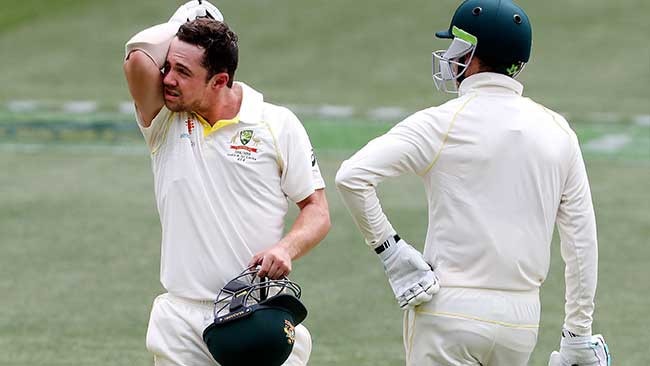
[174, 107]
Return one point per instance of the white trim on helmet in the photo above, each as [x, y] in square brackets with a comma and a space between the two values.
[446, 65]
[449, 68]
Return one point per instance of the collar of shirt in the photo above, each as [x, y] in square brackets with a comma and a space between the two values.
[490, 82]
[251, 105]
[250, 111]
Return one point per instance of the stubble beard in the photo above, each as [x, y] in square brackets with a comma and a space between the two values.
[175, 107]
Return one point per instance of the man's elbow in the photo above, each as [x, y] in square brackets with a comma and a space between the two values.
[344, 176]
[350, 177]
[137, 61]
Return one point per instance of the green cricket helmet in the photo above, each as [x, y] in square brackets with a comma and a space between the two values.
[497, 31]
[254, 320]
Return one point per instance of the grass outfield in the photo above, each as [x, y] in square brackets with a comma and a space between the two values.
[588, 55]
[80, 256]
[79, 233]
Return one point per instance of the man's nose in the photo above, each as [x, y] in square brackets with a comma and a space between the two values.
[168, 80]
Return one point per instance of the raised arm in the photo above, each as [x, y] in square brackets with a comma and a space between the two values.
[146, 53]
[144, 79]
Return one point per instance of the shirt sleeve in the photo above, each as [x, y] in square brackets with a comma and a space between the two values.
[156, 133]
[300, 172]
[579, 247]
[404, 149]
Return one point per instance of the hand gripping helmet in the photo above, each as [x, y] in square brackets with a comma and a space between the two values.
[497, 31]
[254, 320]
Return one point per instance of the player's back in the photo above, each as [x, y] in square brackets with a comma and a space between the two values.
[494, 188]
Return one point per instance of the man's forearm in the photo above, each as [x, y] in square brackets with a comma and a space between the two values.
[579, 247]
[154, 42]
[311, 226]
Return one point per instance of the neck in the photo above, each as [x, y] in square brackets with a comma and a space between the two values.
[224, 105]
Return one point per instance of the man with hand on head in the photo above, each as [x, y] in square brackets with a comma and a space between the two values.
[499, 171]
[224, 163]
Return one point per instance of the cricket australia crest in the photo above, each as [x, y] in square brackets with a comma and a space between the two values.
[244, 146]
[245, 136]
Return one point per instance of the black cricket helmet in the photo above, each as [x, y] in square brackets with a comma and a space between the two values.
[497, 31]
[254, 321]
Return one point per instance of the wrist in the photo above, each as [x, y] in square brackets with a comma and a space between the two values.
[388, 247]
[572, 333]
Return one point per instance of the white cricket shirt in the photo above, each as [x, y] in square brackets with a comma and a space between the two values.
[222, 191]
[499, 171]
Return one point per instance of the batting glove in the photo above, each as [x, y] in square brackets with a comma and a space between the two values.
[410, 276]
[581, 351]
[195, 9]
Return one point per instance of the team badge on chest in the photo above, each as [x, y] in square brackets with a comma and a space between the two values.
[244, 146]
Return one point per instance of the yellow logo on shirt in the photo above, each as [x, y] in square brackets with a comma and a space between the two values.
[241, 147]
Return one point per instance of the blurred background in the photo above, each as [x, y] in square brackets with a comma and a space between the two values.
[79, 232]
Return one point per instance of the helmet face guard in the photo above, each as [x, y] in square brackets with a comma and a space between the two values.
[446, 64]
[498, 32]
[254, 320]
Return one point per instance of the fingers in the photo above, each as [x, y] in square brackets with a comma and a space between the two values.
[430, 284]
[420, 298]
[272, 267]
[414, 296]
[257, 259]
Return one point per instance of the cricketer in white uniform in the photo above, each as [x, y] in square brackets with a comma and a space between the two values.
[499, 171]
[221, 188]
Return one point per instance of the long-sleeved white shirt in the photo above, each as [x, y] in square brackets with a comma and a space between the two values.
[499, 171]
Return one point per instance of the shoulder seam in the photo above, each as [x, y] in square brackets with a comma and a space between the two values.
[444, 140]
[278, 156]
[547, 111]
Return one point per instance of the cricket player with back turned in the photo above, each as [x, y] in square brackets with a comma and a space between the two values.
[225, 165]
[499, 171]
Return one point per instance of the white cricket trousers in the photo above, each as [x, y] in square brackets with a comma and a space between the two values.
[464, 326]
[175, 334]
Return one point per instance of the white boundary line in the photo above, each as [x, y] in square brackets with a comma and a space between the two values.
[385, 113]
[129, 150]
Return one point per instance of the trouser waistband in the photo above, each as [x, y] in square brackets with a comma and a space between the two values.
[204, 303]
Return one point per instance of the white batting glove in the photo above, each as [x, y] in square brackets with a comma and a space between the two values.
[582, 351]
[410, 276]
[195, 9]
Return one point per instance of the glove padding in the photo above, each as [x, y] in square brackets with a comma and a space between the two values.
[581, 351]
[410, 276]
[196, 9]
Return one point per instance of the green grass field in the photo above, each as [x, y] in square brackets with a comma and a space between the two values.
[79, 232]
[80, 255]
[588, 55]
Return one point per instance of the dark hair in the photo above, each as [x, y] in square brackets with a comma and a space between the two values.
[219, 42]
[489, 64]
[486, 64]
